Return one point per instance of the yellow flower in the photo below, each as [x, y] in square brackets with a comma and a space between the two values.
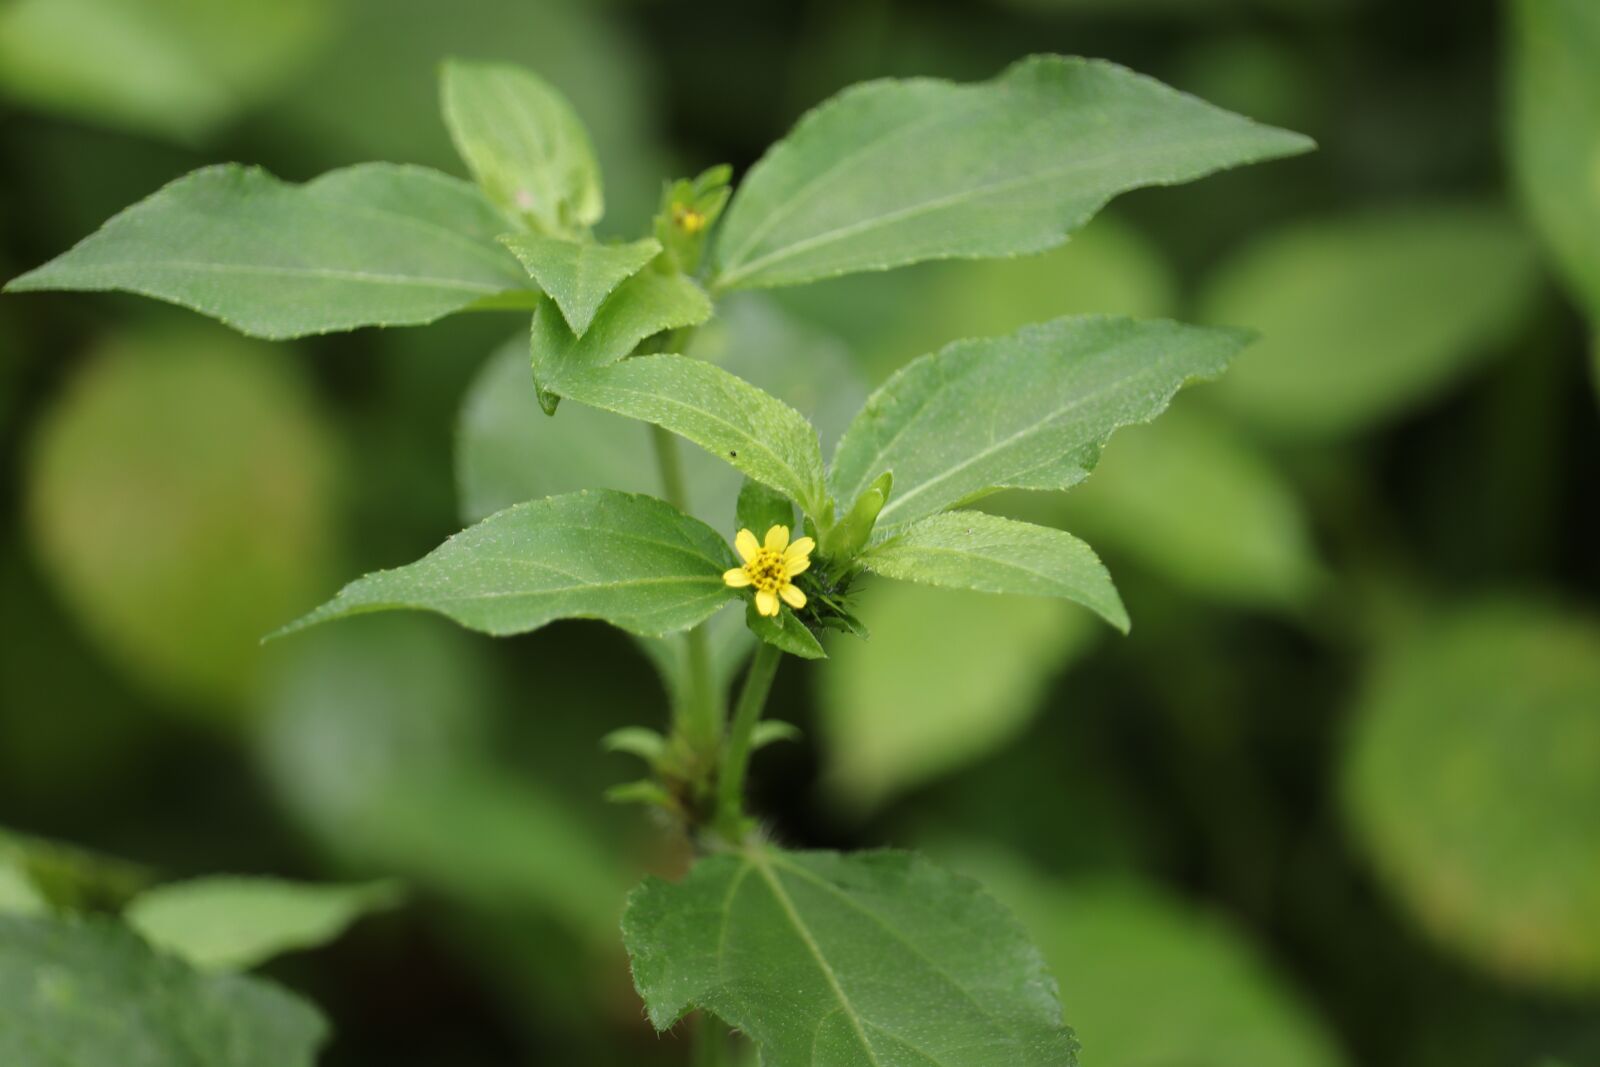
[692, 222]
[771, 568]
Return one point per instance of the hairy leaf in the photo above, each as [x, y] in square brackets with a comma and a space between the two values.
[1027, 411]
[90, 993]
[234, 924]
[634, 561]
[724, 414]
[990, 554]
[891, 172]
[876, 959]
[523, 143]
[372, 245]
[578, 275]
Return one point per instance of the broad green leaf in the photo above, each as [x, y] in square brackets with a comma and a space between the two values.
[1321, 370]
[645, 304]
[786, 631]
[1471, 779]
[948, 677]
[578, 275]
[234, 924]
[90, 993]
[177, 68]
[891, 172]
[181, 499]
[1555, 132]
[876, 959]
[1027, 411]
[634, 561]
[1199, 505]
[524, 144]
[990, 554]
[372, 245]
[755, 432]
[1118, 946]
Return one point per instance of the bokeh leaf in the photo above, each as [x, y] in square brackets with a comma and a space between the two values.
[233, 924]
[1472, 778]
[372, 245]
[92, 994]
[991, 554]
[1016, 164]
[863, 959]
[1027, 411]
[1322, 369]
[634, 561]
[525, 145]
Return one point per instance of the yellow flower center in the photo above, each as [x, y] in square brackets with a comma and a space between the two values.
[766, 570]
[688, 219]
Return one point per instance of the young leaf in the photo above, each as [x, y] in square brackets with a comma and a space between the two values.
[524, 144]
[724, 414]
[892, 172]
[861, 960]
[634, 561]
[371, 245]
[1027, 411]
[645, 304]
[578, 275]
[234, 924]
[972, 550]
[90, 993]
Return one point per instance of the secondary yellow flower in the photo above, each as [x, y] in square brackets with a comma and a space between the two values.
[771, 568]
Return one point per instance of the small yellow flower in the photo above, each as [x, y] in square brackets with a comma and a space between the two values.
[691, 222]
[771, 568]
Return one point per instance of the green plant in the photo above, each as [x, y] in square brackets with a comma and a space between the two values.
[819, 957]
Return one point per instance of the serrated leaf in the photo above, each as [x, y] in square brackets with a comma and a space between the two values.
[645, 304]
[234, 924]
[1555, 132]
[830, 960]
[785, 631]
[578, 275]
[1026, 411]
[1320, 371]
[990, 554]
[727, 416]
[523, 143]
[90, 993]
[891, 172]
[633, 561]
[372, 245]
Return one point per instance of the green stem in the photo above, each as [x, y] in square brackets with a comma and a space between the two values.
[736, 757]
[710, 1041]
[700, 720]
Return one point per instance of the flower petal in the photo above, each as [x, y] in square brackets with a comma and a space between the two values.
[778, 538]
[766, 602]
[793, 597]
[793, 565]
[800, 547]
[746, 544]
[737, 577]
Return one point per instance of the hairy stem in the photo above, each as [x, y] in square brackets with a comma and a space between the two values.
[736, 756]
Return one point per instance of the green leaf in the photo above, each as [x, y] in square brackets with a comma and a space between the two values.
[990, 554]
[1555, 132]
[752, 430]
[177, 68]
[771, 731]
[18, 894]
[1027, 411]
[948, 678]
[869, 959]
[634, 561]
[760, 508]
[371, 245]
[524, 144]
[578, 275]
[645, 304]
[66, 877]
[228, 437]
[234, 924]
[1320, 370]
[90, 993]
[891, 172]
[1470, 780]
[785, 631]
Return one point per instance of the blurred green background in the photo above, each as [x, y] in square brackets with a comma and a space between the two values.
[1335, 801]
